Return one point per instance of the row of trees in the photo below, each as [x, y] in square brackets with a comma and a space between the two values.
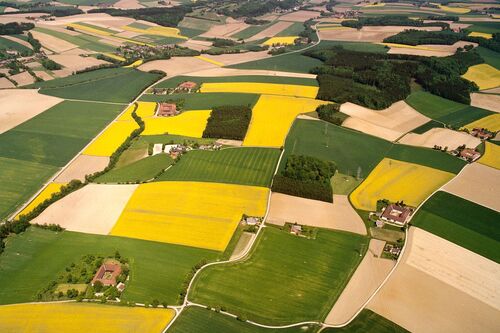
[331, 113]
[418, 37]
[306, 177]
[15, 28]
[228, 122]
[396, 20]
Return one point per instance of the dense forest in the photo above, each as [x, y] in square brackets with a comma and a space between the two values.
[41, 7]
[306, 177]
[378, 80]
[14, 28]
[397, 20]
[168, 17]
[228, 122]
[255, 8]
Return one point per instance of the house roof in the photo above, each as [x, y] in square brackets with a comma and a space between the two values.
[398, 213]
[107, 273]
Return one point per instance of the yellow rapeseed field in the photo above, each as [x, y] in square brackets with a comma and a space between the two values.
[491, 155]
[395, 180]
[380, 4]
[408, 46]
[456, 10]
[136, 63]
[491, 123]
[209, 60]
[89, 29]
[44, 195]
[114, 56]
[106, 143]
[260, 88]
[194, 214]
[480, 34]
[159, 31]
[144, 110]
[281, 40]
[188, 123]
[484, 75]
[272, 117]
[82, 318]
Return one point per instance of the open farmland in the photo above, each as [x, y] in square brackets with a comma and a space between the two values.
[82, 318]
[205, 214]
[272, 117]
[395, 180]
[244, 166]
[188, 123]
[491, 122]
[484, 75]
[112, 138]
[294, 62]
[138, 171]
[34, 258]
[143, 110]
[322, 267]
[368, 321]
[440, 137]
[261, 88]
[491, 155]
[486, 101]
[100, 85]
[199, 320]
[41, 197]
[208, 100]
[462, 222]
[444, 110]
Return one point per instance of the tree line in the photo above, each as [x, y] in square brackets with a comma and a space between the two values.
[396, 20]
[168, 17]
[228, 122]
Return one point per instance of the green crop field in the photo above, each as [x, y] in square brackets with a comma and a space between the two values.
[199, 320]
[251, 30]
[444, 110]
[11, 45]
[138, 171]
[287, 279]
[490, 57]
[462, 222]
[118, 85]
[368, 322]
[294, 62]
[84, 41]
[206, 101]
[427, 126]
[175, 81]
[426, 156]
[34, 258]
[349, 149]
[34, 150]
[245, 166]
[294, 30]
[484, 27]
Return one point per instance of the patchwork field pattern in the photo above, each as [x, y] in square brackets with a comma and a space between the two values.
[44, 195]
[281, 40]
[188, 123]
[195, 214]
[492, 123]
[112, 138]
[244, 166]
[261, 88]
[82, 318]
[395, 180]
[272, 117]
[484, 75]
[144, 110]
[491, 155]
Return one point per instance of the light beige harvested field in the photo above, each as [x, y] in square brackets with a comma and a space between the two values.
[15, 110]
[491, 91]
[220, 71]
[23, 78]
[477, 183]
[19, 17]
[243, 244]
[92, 209]
[128, 4]
[197, 45]
[307, 117]
[477, 19]
[369, 275]
[367, 34]
[430, 50]
[227, 142]
[225, 30]
[389, 124]
[74, 62]
[486, 101]
[43, 75]
[339, 215]
[177, 65]
[81, 166]
[5, 83]
[443, 137]
[108, 20]
[53, 43]
[299, 16]
[441, 287]
[271, 31]
[237, 58]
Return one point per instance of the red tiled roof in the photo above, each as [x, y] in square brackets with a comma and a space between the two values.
[397, 213]
[107, 274]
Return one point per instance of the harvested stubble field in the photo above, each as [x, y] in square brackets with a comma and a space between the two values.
[204, 215]
[81, 166]
[444, 110]
[484, 75]
[491, 155]
[199, 320]
[188, 123]
[59, 39]
[486, 101]
[395, 180]
[441, 137]
[261, 88]
[79, 317]
[272, 117]
[462, 222]
[321, 266]
[244, 166]
[36, 257]
[100, 85]
[138, 171]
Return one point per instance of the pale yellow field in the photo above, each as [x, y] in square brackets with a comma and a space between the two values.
[272, 117]
[211, 61]
[381, 4]
[491, 156]
[194, 214]
[457, 10]
[395, 180]
[260, 88]
[480, 34]
[159, 31]
[111, 138]
[484, 75]
[281, 40]
[44, 195]
[144, 110]
[89, 29]
[136, 63]
[491, 123]
[188, 123]
[82, 318]
[407, 46]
